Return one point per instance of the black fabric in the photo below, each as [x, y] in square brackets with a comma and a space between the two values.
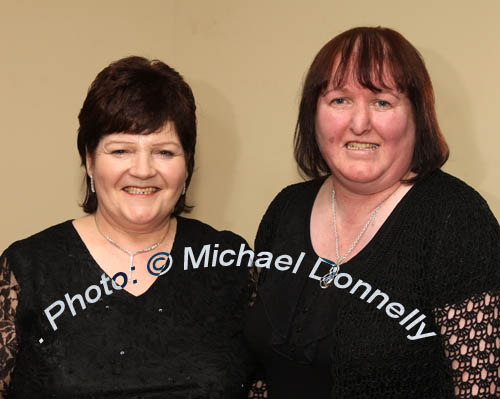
[181, 339]
[291, 372]
[438, 252]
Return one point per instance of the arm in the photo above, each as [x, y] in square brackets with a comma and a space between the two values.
[471, 339]
[9, 290]
[263, 241]
[258, 390]
[465, 286]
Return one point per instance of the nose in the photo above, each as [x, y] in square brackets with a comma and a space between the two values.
[142, 166]
[360, 119]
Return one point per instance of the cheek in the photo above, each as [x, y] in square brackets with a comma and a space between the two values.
[401, 139]
[328, 137]
[331, 126]
[175, 173]
[323, 131]
[395, 128]
[108, 172]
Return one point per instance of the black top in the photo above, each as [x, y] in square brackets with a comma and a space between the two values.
[180, 339]
[428, 283]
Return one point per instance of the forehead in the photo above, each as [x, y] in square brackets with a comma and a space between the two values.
[367, 73]
[167, 133]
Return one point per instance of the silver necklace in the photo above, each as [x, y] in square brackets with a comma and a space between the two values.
[131, 254]
[328, 278]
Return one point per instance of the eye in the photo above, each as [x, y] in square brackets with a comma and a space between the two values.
[166, 153]
[118, 152]
[338, 101]
[382, 104]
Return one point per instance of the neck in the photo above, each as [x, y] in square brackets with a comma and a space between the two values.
[354, 207]
[132, 239]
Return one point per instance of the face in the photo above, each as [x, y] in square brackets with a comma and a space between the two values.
[138, 178]
[366, 138]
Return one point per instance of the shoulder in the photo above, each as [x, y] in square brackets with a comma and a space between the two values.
[464, 237]
[297, 193]
[198, 232]
[448, 196]
[201, 246]
[41, 241]
[34, 255]
[444, 186]
[297, 190]
[286, 211]
[451, 210]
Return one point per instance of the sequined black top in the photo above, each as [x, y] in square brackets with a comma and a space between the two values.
[180, 339]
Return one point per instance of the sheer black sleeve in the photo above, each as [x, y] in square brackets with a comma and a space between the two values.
[466, 286]
[9, 291]
[471, 338]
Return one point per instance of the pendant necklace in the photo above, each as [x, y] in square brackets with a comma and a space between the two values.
[131, 254]
[328, 278]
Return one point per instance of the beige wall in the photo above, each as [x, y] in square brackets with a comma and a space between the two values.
[245, 62]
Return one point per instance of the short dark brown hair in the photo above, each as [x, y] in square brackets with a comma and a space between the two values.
[137, 95]
[366, 53]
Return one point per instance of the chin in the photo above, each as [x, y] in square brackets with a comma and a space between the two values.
[361, 176]
[140, 217]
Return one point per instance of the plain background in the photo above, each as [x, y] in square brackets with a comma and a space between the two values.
[245, 61]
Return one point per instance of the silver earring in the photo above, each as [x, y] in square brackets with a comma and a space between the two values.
[92, 187]
[184, 190]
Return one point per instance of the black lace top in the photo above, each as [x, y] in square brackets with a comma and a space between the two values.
[180, 339]
[415, 314]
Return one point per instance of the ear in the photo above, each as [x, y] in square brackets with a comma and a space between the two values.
[90, 164]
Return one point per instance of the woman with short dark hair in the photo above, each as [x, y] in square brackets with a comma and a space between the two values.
[395, 285]
[86, 307]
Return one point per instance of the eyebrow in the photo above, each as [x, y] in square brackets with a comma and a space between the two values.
[392, 92]
[166, 143]
[343, 90]
[133, 143]
[118, 142]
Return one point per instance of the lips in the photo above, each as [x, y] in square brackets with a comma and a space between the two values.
[140, 190]
[361, 146]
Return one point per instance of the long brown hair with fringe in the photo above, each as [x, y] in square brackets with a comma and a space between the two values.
[369, 54]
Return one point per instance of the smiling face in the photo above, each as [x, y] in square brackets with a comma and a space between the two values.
[366, 138]
[138, 178]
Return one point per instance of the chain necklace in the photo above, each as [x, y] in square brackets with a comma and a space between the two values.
[327, 279]
[131, 254]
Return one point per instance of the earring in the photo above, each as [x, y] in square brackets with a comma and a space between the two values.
[184, 190]
[92, 187]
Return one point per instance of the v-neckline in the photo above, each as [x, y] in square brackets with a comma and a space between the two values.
[100, 270]
[374, 241]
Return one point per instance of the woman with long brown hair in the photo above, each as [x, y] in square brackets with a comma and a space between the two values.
[397, 294]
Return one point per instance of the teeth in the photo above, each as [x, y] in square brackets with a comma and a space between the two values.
[361, 146]
[136, 190]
